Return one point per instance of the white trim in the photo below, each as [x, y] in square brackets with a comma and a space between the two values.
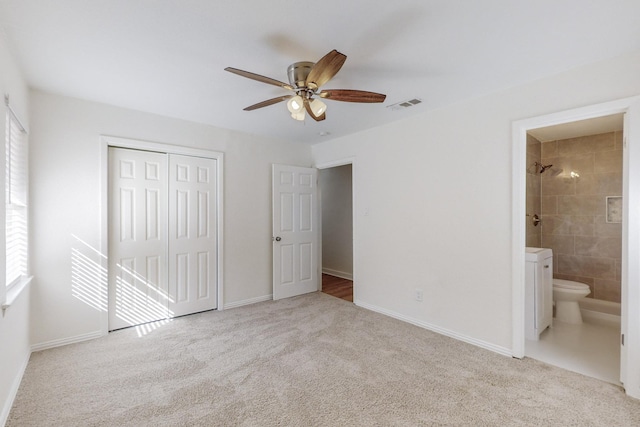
[600, 316]
[631, 249]
[437, 329]
[66, 341]
[336, 273]
[14, 292]
[13, 391]
[336, 163]
[113, 141]
[598, 305]
[249, 301]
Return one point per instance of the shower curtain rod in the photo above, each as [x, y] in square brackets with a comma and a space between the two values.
[13, 114]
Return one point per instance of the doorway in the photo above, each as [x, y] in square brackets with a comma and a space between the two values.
[574, 189]
[336, 186]
[630, 269]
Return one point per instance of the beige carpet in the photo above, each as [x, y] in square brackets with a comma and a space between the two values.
[312, 360]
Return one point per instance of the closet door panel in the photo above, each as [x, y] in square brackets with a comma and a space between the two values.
[192, 234]
[138, 285]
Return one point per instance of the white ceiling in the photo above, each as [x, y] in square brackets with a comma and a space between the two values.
[595, 126]
[167, 56]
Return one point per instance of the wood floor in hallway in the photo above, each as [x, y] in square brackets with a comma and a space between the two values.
[337, 287]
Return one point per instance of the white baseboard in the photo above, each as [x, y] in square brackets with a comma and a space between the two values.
[13, 392]
[336, 273]
[442, 331]
[65, 341]
[248, 301]
[600, 316]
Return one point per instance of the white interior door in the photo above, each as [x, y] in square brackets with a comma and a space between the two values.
[138, 291]
[295, 231]
[192, 235]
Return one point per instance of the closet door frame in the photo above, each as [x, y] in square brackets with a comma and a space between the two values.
[111, 141]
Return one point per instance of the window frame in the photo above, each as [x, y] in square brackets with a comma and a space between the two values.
[16, 199]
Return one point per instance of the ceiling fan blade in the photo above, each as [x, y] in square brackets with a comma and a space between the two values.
[267, 102]
[307, 106]
[324, 70]
[348, 95]
[258, 77]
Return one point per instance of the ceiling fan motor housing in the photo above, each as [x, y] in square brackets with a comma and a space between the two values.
[298, 72]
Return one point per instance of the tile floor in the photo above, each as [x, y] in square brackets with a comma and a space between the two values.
[592, 349]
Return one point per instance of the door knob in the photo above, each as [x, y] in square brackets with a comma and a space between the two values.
[277, 239]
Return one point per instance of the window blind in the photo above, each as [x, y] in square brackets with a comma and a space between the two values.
[16, 184]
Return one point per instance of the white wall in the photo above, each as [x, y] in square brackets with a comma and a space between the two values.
[437, 189]
[65, 198]
[337, 222]
[14, 322]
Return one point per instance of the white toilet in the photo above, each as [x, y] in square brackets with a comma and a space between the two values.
[566, 294]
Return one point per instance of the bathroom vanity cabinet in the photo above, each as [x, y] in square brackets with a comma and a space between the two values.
[538, 291]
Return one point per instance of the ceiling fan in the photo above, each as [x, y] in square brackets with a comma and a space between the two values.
[305, 79]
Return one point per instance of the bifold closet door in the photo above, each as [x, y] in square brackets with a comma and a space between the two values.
[138, 280]
[162, 236]
[192, 235]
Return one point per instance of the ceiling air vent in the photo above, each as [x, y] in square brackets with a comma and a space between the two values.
[404, 104]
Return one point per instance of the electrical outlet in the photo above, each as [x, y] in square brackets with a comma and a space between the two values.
[419, 295]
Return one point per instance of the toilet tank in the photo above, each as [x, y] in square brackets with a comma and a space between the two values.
[538, 291]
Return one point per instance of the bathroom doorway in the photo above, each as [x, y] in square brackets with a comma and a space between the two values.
[629, 271]
[573, 203]
[336, 189]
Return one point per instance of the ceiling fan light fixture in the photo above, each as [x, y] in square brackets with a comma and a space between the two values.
[318, 107]
[298, 116]
[295, 105]
[305, 79]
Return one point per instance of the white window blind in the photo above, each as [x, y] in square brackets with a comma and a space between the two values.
[16, 185]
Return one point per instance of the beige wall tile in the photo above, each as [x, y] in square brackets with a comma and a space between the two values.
[549, 149]
[619, 139]
[582, 225]
[559, 244]
[533, 146]
[556, 225]
[573, 146]
[533, 185]
[598, 268]
[586, 184]
[608, 290]
[609, 184]
[580, 163]
[557, 186]
[549, 205]
[607, 229]
[598, 247]
[533, 241]
[608, 161]
[581, 205]
[604, 141]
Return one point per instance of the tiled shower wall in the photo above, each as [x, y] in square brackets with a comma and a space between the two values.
[586, 247]
[534, 234]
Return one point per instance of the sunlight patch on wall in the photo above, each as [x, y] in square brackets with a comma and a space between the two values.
[88, 275]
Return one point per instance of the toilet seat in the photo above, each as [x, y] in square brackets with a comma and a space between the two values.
[570, 285]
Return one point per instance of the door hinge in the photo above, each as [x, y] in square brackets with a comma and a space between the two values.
[622, 339]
